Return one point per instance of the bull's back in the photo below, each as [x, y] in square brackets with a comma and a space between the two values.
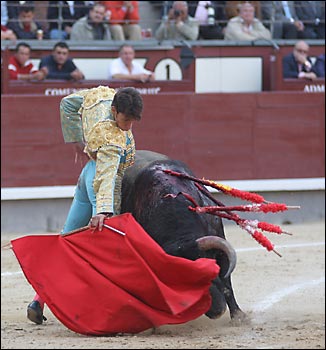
[154, 199]
[142, 160]
[146, 175]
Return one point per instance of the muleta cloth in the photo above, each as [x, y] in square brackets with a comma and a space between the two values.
[103, 282]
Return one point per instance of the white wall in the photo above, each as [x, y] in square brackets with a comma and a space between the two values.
[229, 74]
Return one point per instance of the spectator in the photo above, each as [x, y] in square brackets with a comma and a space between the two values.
[58, 65]
[69, 12]
[6, 34]
[39, 7]
[20, 67]
[25, 27]
[232, 8]
[312, 14]
[298, 64]
[99, 121]
[246, 26]
[123, 17]
[211, 17]
[13, 8]
[92, 26]
[178, 25]
[282, 19]
[4, 13]
[319, 66]
[126, 68]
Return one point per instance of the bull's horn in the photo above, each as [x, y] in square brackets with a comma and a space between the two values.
[214, 242]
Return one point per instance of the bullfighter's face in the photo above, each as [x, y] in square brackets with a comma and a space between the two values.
[123, 122]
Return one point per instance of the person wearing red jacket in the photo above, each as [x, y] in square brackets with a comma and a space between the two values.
[123, 18]
[21, 67]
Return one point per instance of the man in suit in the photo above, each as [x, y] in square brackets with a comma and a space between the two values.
[282, 19]
[319, 66]
[312, 14]
[298, 64]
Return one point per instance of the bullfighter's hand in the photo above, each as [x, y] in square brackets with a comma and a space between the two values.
[97, 221]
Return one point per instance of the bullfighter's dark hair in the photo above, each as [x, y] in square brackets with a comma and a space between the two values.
[129, 102]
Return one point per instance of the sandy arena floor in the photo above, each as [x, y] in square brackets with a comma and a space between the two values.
[284, 297]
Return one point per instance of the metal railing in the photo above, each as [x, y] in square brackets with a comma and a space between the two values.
[156, 12]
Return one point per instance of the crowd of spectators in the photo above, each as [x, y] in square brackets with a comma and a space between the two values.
[57, 66]
[188, 20]
[179, 20]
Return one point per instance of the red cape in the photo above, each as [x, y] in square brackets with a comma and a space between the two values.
[105, 283]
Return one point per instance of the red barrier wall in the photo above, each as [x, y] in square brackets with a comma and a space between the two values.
[269, 135]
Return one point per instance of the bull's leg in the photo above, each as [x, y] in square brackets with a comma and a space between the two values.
[225, 286]
[236, 314]
[218, 306]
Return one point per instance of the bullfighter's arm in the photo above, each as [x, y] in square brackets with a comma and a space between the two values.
[107, 165]
[70, 115]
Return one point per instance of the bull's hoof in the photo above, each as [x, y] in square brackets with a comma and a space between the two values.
[215, 313]
[218, 306]
[239, 318]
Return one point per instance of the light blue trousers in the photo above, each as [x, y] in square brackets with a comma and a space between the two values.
[83, 206]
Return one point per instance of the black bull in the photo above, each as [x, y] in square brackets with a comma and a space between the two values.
[174, 227]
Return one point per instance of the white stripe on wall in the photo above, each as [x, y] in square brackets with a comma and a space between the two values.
[49, 192]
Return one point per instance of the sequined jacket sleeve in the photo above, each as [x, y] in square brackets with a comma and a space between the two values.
[107, 165]
[70, 116]
[112, 160]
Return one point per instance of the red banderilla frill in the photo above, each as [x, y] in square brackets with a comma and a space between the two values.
[251, 226]
[265, 208]
[253, 197]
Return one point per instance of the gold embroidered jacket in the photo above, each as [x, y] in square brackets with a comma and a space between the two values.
[86, 117]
